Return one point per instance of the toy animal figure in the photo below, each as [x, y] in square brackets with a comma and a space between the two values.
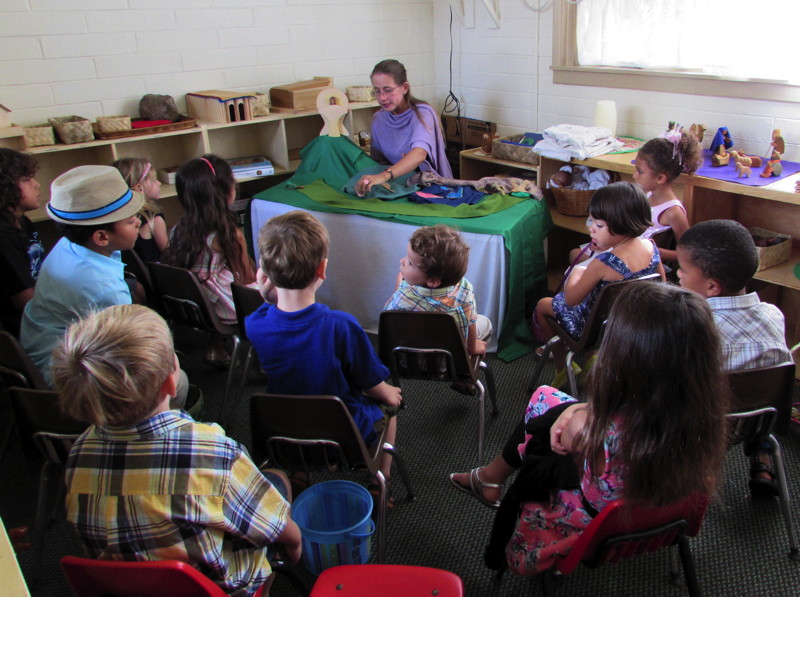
[698, 131]
[743, 169]
[741, 159]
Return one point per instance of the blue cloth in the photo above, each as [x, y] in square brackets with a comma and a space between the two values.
[393, 136]
[446, 195]
[573, 319]
[73, 282]
[319, 351]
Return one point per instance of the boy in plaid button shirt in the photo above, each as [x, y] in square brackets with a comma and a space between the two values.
[148, 483]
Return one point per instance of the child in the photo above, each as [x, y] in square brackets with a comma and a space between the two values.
[141, 177]
[659, 340]
[618, 215]
[21, 252]
[432, 278]
[148, 483]
[208, 241]
[717, 259]
[659, 162]
[306, 348]
[95, 211]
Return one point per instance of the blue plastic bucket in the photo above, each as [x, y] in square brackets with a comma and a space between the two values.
[334, 519]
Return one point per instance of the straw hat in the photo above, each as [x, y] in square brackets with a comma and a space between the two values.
[91, 195]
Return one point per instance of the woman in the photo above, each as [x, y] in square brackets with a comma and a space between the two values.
[406, 133]
[653, 430]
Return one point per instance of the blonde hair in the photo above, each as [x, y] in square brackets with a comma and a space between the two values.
[111, 365]
[135, 171]
[291, 247]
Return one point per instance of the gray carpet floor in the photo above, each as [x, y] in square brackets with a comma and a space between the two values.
[742, 549]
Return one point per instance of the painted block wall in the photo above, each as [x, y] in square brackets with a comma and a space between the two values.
[503, 75]
[98, 57]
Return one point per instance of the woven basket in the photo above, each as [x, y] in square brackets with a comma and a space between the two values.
[113, 123]
[359, 93]
[260, 105]
[573, 203]
[72, 129]
[39, 135]
[771, 255]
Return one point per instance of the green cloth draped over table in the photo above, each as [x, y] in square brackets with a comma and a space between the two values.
[328, 163]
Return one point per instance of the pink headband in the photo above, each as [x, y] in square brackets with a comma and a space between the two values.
[147, 168]
[210, 166]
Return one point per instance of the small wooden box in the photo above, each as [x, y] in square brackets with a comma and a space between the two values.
[771, 255]
[299, 96]
[219, 106]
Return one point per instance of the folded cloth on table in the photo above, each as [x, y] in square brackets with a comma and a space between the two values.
[565, 141]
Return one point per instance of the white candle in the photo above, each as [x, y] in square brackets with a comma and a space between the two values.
[605, 114]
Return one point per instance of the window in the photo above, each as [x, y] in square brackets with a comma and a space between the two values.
[683, 46]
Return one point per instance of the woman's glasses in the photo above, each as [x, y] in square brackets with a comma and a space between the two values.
[379, 92]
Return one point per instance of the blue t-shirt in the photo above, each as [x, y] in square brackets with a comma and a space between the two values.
[73, 282]
[318, 351]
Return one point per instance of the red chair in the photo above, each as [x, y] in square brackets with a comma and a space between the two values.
[135, 579]
[373, 580]
[615, 535]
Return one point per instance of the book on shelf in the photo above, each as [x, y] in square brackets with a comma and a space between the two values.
[250, 166]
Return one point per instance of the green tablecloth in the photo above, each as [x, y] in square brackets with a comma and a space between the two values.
[328, 163]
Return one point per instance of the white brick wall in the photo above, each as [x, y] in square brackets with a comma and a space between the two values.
[95, 57]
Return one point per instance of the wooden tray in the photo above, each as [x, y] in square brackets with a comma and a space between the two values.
[183, 123]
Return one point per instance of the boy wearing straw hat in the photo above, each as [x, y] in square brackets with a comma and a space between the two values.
[96, 212]
[145, 482]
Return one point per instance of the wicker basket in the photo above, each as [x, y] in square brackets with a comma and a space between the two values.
[113, 123]
[771, 255]
[359, 93]
[573, 203]
[72, 129]
[39, 135]
[260, 105]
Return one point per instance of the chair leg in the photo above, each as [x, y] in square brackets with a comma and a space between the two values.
[688, 566]
[481, 419]
[537, 369]
[672, 565]
[401, 467]
[573, 382]
[229, 380]
[381, 518]
[783, 491]
[491, 386]
[42, 519]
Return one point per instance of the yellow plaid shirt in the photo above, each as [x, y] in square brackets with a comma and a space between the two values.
[175, 489]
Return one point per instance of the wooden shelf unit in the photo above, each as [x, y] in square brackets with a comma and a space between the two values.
[278, 136]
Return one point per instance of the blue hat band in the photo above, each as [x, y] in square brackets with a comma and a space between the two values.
[93, 214]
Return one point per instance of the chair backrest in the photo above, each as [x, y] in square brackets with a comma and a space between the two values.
[136, 265]
[376, 580]
[16, 368]
[182, 298]
[245, 300]
[40, 421]
[762, 397]
[306, 432]
[136, 579]
[619, 532]
[423, 345]
[596, 321]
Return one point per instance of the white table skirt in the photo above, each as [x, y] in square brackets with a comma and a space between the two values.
[364, 261]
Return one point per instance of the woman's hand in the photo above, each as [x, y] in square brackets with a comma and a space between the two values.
[367, 182]
[566, 427]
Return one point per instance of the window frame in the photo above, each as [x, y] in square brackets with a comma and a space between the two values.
[566, 70]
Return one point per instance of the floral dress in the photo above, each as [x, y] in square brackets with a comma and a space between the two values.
[573, 319]
[548, 531]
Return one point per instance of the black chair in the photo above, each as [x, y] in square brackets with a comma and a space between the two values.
[136, 266]
[39, 419]
[429, 346]
[317, 433]
[761, 402]
[592, 332]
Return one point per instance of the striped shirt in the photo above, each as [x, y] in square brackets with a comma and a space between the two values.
[751, 332]
[175, 489]
[458, 300]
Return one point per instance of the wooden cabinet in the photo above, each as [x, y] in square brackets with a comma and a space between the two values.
[278, 136]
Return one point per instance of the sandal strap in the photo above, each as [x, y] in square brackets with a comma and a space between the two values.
[475, 478]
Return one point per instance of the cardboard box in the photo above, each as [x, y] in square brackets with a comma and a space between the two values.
[219, 106]
[299, 96]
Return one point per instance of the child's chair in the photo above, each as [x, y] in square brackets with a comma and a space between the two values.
[378, 580]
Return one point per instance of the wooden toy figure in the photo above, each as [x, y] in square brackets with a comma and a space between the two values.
[777, 147]
[719, 147]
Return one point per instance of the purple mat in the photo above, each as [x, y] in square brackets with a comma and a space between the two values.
[729, 173]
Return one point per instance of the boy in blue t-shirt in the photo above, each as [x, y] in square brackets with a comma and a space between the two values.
[305, 347]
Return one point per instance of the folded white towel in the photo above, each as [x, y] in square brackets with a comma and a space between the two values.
[574, 136]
